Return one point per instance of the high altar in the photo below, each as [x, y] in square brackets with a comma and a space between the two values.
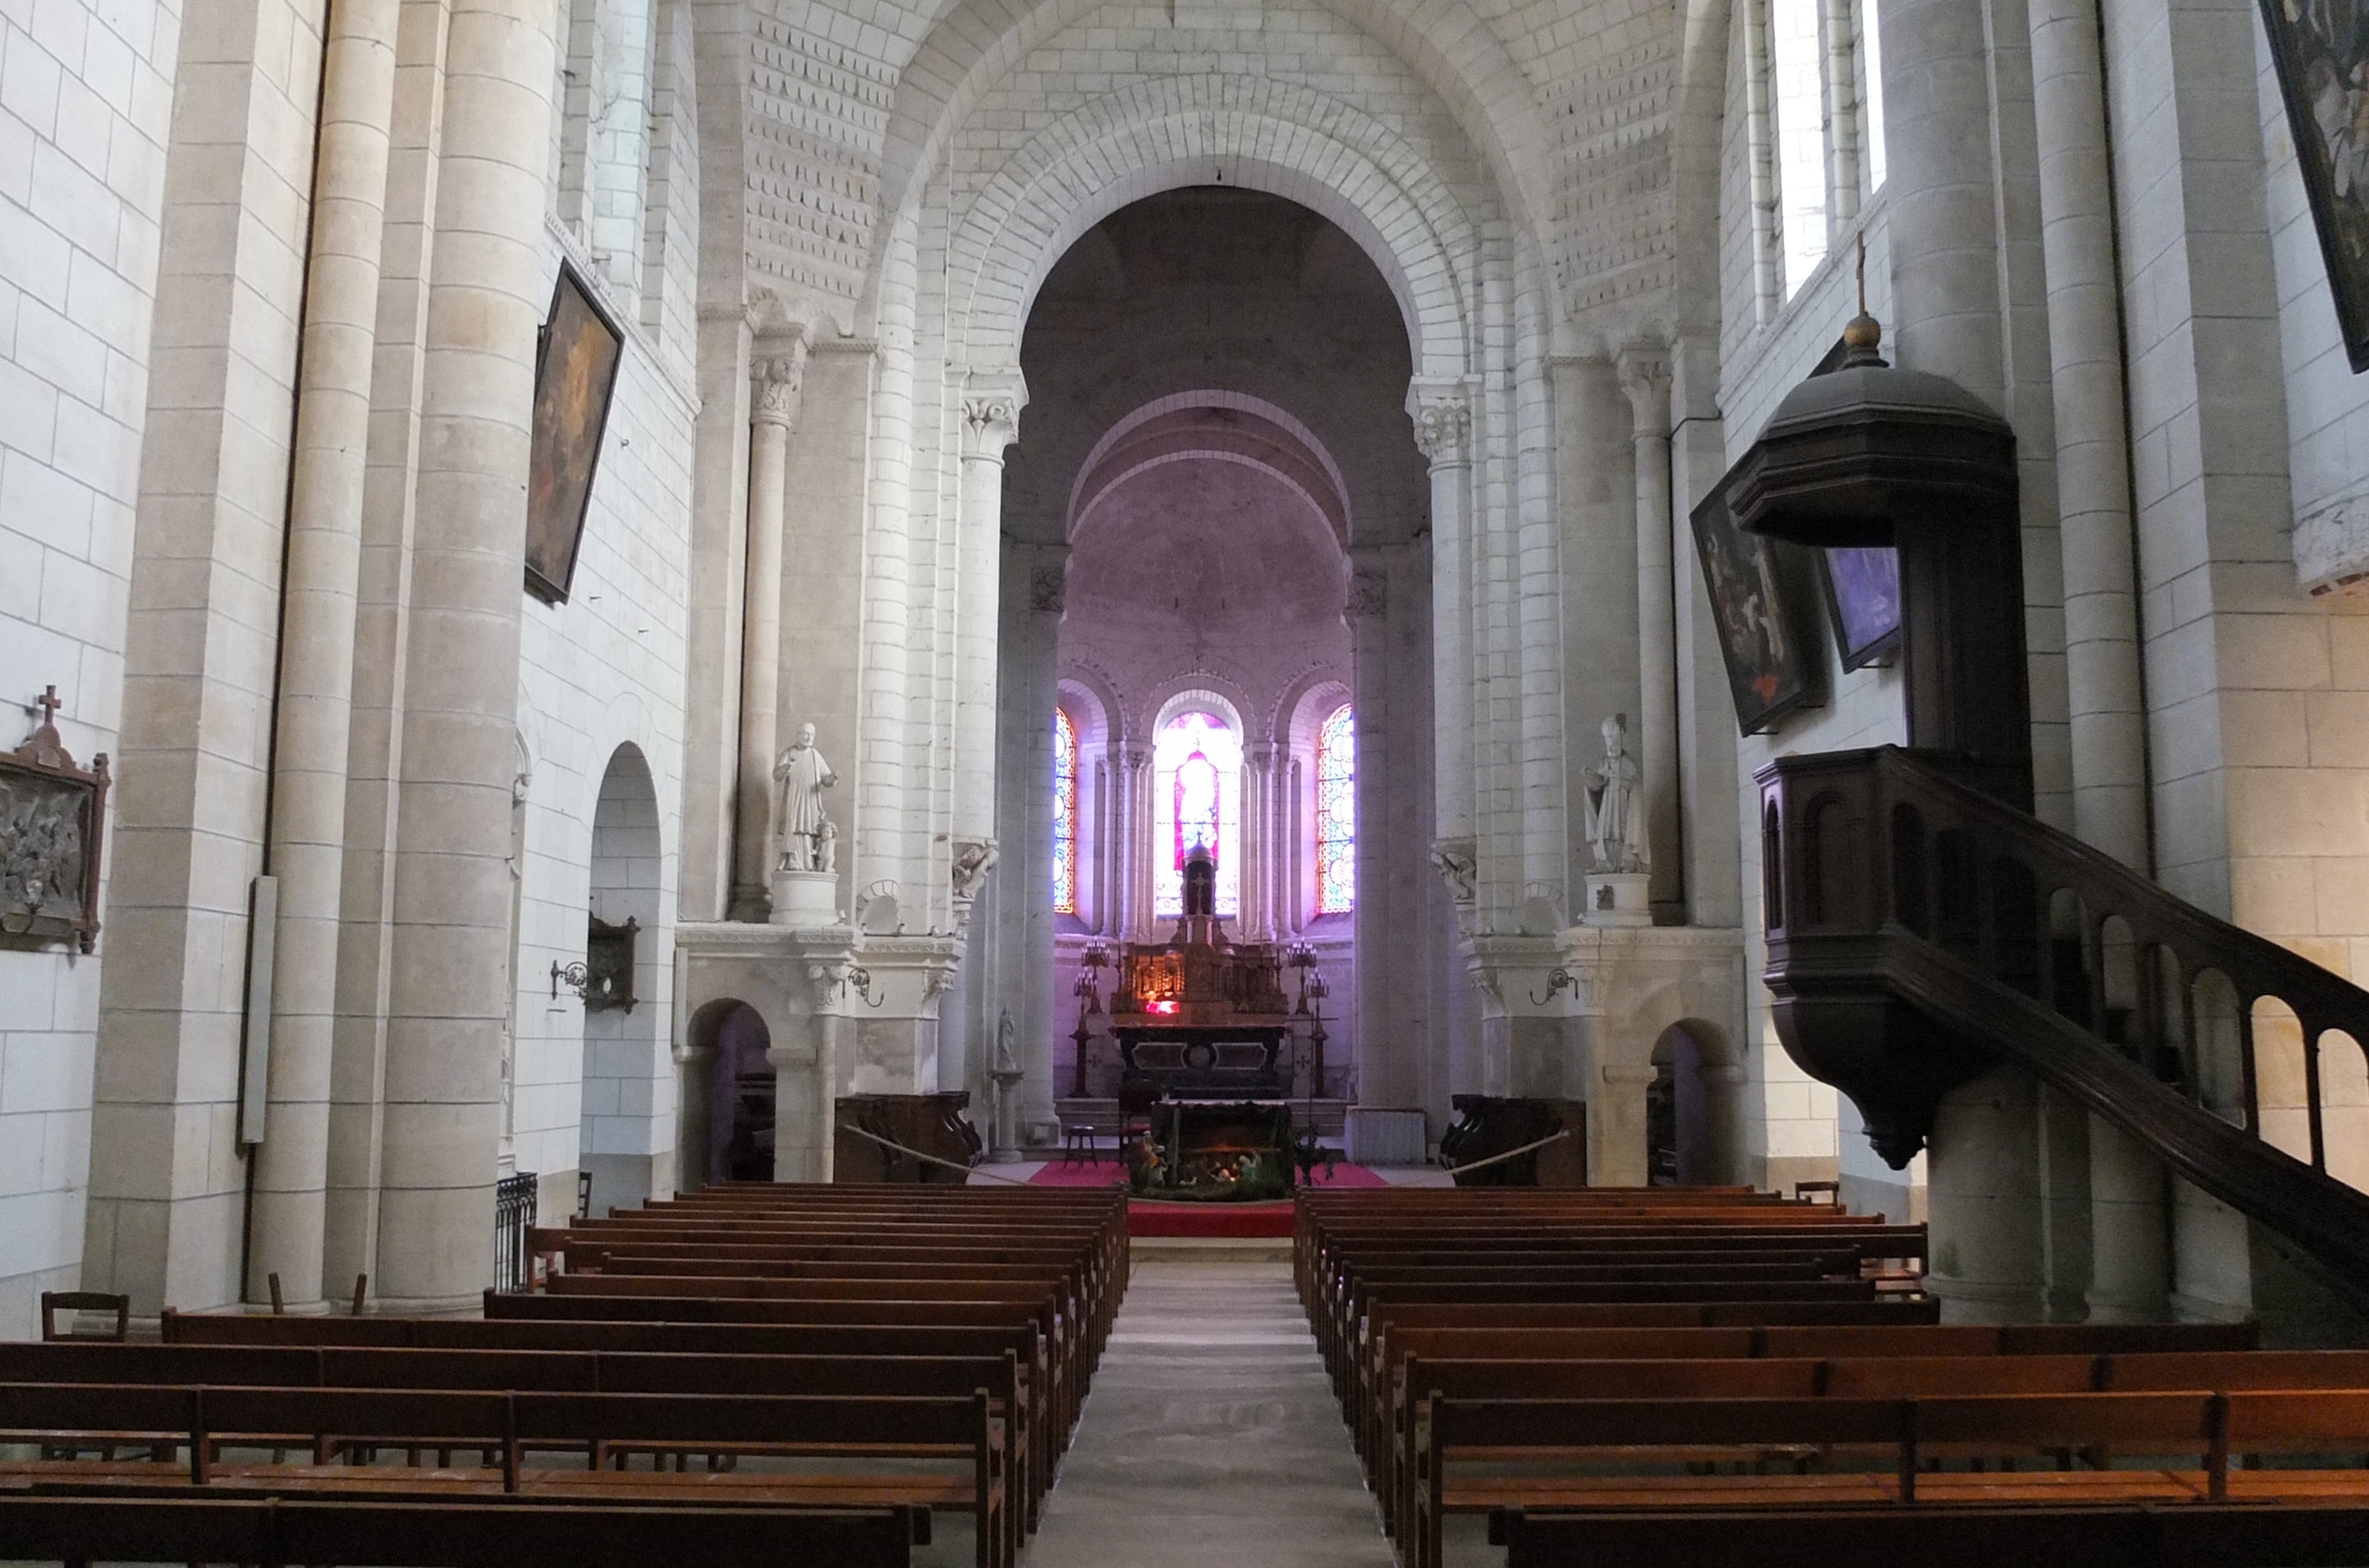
[1206, 1018]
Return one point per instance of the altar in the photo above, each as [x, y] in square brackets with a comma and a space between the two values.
[1202, 1016]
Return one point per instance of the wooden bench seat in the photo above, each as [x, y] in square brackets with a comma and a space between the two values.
[2196, 1535]
[2204, 1430]
[80, 1530]
[207, 1424]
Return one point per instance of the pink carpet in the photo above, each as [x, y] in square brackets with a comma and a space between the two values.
[1230, 1221]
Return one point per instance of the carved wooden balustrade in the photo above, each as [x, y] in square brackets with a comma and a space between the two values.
[1920, 931]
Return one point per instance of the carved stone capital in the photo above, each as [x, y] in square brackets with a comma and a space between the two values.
[990, 413]
[1644, 369]
[1369, 595]
[1442, 412]
[1458, 863]
[777, 372]
[1048, 586]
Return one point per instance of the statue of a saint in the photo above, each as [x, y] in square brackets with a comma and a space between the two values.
[971, 866]
[799, 778]
[1004, 1034]
[1616, 824]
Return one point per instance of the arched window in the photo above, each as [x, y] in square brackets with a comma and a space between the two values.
[1336, 812]
[1065, 814]
[1196, 781]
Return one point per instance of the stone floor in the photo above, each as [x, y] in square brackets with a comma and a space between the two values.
[1211, 1438]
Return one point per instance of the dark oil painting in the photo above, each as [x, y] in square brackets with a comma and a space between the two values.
[575, 374]
[1863, 596]
[1774, 665]
[2321, 50]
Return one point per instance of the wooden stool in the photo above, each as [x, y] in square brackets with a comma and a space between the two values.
[1078, 1137]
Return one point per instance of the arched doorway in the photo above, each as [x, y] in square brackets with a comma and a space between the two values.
[621, 1141]
[1692, 1108]
[739, 1143]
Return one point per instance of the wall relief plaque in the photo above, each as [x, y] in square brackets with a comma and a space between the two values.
[52, 821]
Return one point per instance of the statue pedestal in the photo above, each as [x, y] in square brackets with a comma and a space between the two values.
[1618, 898]
[1003, 1136]
[806, 897]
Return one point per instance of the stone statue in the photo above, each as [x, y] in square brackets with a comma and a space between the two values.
[1615, 822]
[799, 778]
[827, 846]
[971, 865]
[1004, 1033]
[1455, 863]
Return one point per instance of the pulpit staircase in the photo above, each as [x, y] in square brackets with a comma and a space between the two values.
[1920, 931]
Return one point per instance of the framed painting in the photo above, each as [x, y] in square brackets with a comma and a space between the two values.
[2319, 48]
[1774, 665]
[1863, 593]
[574, 376]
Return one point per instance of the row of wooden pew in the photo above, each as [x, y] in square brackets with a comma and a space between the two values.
[1710, 1376]
[795, 1374]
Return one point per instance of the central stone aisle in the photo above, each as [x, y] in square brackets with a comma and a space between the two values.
[1211, 1438]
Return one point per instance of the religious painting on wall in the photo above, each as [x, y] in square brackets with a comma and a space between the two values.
[1863, 600]
[2320, 48]
[1773, 662]
[575, 374]
[52, 823]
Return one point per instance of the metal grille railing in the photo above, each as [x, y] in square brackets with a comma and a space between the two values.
[513, 1217]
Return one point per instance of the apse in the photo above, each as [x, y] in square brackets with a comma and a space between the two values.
[1217, 632]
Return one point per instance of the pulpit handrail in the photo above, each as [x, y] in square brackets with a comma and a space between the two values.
[1886, 878]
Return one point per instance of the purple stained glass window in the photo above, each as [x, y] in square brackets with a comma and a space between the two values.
[1065, 814]
[1336, 813]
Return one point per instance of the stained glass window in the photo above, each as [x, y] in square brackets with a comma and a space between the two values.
[1197, 780]
[1336, 812]
[1065, 814]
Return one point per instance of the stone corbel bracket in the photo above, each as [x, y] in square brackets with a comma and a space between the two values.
[1516, 977]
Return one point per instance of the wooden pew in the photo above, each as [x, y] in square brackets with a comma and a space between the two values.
[80, 1530]
[202, 1422]
[2195, 1535]
[2204, 1430]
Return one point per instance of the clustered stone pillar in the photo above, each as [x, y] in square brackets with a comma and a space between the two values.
[1262, 857]
[317, 648]
[1985, 1148]
[1646, 377]
[2130, 1224]
[450, 967]
[1139, 924]
[776, 372]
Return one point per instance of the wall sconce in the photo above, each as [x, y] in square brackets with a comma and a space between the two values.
[1559, 981]
[861, 978]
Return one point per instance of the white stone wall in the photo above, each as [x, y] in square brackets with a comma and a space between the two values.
[85, 97]
[603, 670]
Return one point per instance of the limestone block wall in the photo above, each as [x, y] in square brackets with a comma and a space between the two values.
[86, 96]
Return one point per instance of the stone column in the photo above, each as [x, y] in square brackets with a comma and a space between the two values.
[317, 643]
[1443, 424]
[2129, 1223]
[1385, 1072]
[1646, 377]
[776, 374]
[1984, 1153]
[451, 964]
[806, 1076]
[991, 422]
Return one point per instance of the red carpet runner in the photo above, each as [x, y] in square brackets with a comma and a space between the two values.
[1228, 1220]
